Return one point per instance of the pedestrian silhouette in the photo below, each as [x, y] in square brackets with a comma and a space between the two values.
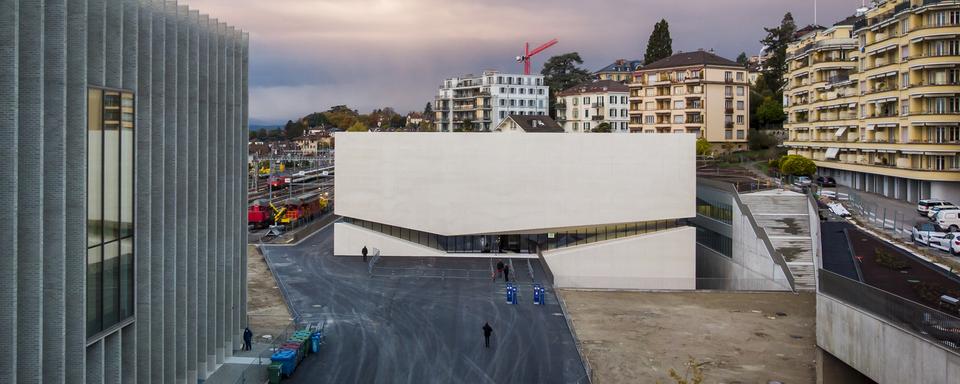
[247, 337]
[506, 272]
[364, 252]
[487, 331]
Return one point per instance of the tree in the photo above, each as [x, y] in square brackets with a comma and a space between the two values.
[357, 127]
[776, 41]
[742, 59]
[703, 147]
[603, 127]
[796, 165]
[561, 72]
[467, 125]
[770, 112]
[758, 140]
[660, 45]
[428, 111]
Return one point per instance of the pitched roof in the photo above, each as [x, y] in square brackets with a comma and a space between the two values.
[850, 20]
[536, 123]
[597, 86]
[684, 59]
[623, 65]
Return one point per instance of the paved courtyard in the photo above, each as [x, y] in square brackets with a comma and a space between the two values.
[418, 320]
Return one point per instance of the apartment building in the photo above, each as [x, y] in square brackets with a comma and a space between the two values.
[619, 71]
[480, 103]
[123, 144]
[693, 92]
[875, 100]
[584, 107]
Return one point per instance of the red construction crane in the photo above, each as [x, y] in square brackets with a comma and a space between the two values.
[525, 59]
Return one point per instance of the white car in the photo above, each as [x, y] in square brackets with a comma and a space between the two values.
[802, 181]
[949, 243]
[926, 233]
[948, 220]
[932, 212]
[924, 205]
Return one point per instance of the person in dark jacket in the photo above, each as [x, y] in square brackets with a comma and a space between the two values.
[247, 338]
[506, 272]
[487, 331]
[499, 269]
[364, 252]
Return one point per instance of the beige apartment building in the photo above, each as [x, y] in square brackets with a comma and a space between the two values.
[584, 107]
[693, 92]
[875, 100]
[620, 71]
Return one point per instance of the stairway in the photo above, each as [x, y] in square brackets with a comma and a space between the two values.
[785, 217]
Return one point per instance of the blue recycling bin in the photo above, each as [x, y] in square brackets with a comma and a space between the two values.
[288, 359]
[511, 293]
[537, 294]
[315, 342]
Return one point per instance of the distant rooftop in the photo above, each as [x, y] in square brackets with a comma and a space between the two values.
[537, 123]
[685, 59]
[623, 65]
[598, 86]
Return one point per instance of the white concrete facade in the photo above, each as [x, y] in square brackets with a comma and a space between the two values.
[487, 99]
[660, 260]
[451, 184]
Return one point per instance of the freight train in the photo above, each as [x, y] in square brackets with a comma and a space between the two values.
[290, 212]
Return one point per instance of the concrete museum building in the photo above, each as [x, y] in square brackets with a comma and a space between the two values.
[123, 133]
[601, 211]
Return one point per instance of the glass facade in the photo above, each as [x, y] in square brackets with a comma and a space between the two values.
[715, 210]
[519, 243]
[110, 146]
[715, 241]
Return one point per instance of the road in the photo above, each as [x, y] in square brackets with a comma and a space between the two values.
[406, 324]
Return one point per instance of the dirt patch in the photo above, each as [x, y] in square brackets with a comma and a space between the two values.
[266, 311]
[637, 337]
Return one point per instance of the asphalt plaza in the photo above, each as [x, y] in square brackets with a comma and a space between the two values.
[419, 320]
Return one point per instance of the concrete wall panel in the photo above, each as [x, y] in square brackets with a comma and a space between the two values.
[471, 184]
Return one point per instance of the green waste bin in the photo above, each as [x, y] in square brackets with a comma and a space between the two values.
[273, 372]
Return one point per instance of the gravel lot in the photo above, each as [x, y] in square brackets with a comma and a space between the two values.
[637, 337]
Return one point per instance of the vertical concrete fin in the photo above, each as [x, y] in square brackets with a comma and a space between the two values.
[29, 191]
[9, 100]
[193, 169]
[158, 154]
[182, 188]
[54, 184]
[75, 212]
[203, 108]
[170, 191]
[142, 217]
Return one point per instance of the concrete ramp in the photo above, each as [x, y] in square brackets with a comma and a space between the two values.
[785, 217]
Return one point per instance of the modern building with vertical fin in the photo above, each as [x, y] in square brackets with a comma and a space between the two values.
[123, 128]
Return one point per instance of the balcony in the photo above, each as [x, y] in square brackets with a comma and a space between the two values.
[597, 117]
[728, 125]
[694, 119]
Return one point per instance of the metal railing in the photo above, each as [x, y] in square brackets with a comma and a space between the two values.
[923, 321]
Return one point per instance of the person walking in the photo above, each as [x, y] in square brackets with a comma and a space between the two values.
[364, 253]
[499, 269]
[487, 331]
[506, 272]
[247, 338]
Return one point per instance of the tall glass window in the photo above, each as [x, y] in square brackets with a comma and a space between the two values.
[110, 154]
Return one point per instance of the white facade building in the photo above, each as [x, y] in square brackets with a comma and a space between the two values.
[583, 107]
[604, 211]
[487, 99]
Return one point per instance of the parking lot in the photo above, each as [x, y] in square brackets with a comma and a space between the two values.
[415, 321]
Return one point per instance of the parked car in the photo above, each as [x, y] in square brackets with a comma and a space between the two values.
[932, 212]
[924, 205]
[802, 181]
[949, 243]
[948, 220]
[826, 182]
[924, 233]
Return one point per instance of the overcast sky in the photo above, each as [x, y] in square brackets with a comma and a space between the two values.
[308, 55]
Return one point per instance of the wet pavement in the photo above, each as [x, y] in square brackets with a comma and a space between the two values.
[418, 320]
